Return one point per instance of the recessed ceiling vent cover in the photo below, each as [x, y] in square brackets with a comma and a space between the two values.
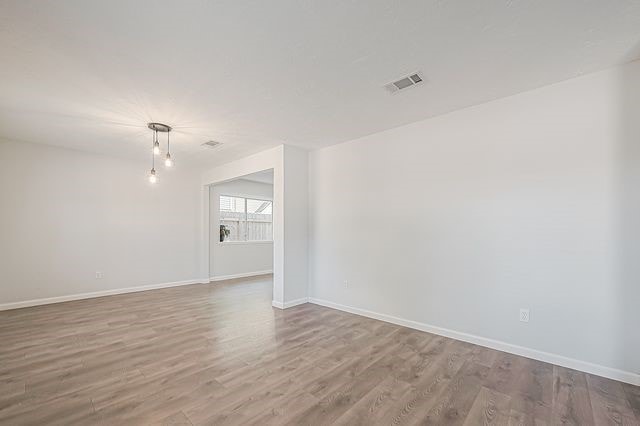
[404, 83]
[211, 144]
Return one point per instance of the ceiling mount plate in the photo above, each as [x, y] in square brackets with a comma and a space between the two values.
[159, 127]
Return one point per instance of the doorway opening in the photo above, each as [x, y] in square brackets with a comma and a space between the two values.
[241, 231]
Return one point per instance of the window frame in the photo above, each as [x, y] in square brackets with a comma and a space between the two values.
[246, 216]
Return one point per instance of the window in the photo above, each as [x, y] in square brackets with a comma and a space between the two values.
[245, 219]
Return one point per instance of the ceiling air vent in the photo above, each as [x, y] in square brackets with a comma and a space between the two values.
[211, 144]
[404, 83]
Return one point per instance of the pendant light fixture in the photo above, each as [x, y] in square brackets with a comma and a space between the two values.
[163, 128]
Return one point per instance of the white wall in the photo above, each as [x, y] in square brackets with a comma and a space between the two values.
[296, 201]
[244, 257]
[460, 220]
[65, 214]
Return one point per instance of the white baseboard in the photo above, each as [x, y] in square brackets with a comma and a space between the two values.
[243, 275]
[80, 296]
[587, 367]
[290, 303]
[296, 302]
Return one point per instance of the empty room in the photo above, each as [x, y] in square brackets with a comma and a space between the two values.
[419, 212]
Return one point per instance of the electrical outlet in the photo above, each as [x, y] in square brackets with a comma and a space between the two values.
[98, 275]
[346, 283]
[524, 314]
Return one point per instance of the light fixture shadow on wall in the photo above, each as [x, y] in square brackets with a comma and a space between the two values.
[155, 150]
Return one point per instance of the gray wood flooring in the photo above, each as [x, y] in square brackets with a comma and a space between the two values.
[220, 354]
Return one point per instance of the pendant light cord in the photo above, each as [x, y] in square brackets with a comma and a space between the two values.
[153, 145]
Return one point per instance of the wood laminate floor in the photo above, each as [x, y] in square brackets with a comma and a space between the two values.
[220, 354]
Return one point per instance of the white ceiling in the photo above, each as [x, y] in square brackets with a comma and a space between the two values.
[254, 74]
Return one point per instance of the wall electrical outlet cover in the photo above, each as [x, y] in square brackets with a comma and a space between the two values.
[524, 315]
[98, 275]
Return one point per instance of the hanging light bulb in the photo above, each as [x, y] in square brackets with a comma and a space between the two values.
[156, 145]
[168, 161]
[152, 175]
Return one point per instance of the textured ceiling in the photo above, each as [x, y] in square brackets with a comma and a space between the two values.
[253, 74]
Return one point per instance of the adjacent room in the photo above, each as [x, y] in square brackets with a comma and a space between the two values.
[320, 212]
[241, 225]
